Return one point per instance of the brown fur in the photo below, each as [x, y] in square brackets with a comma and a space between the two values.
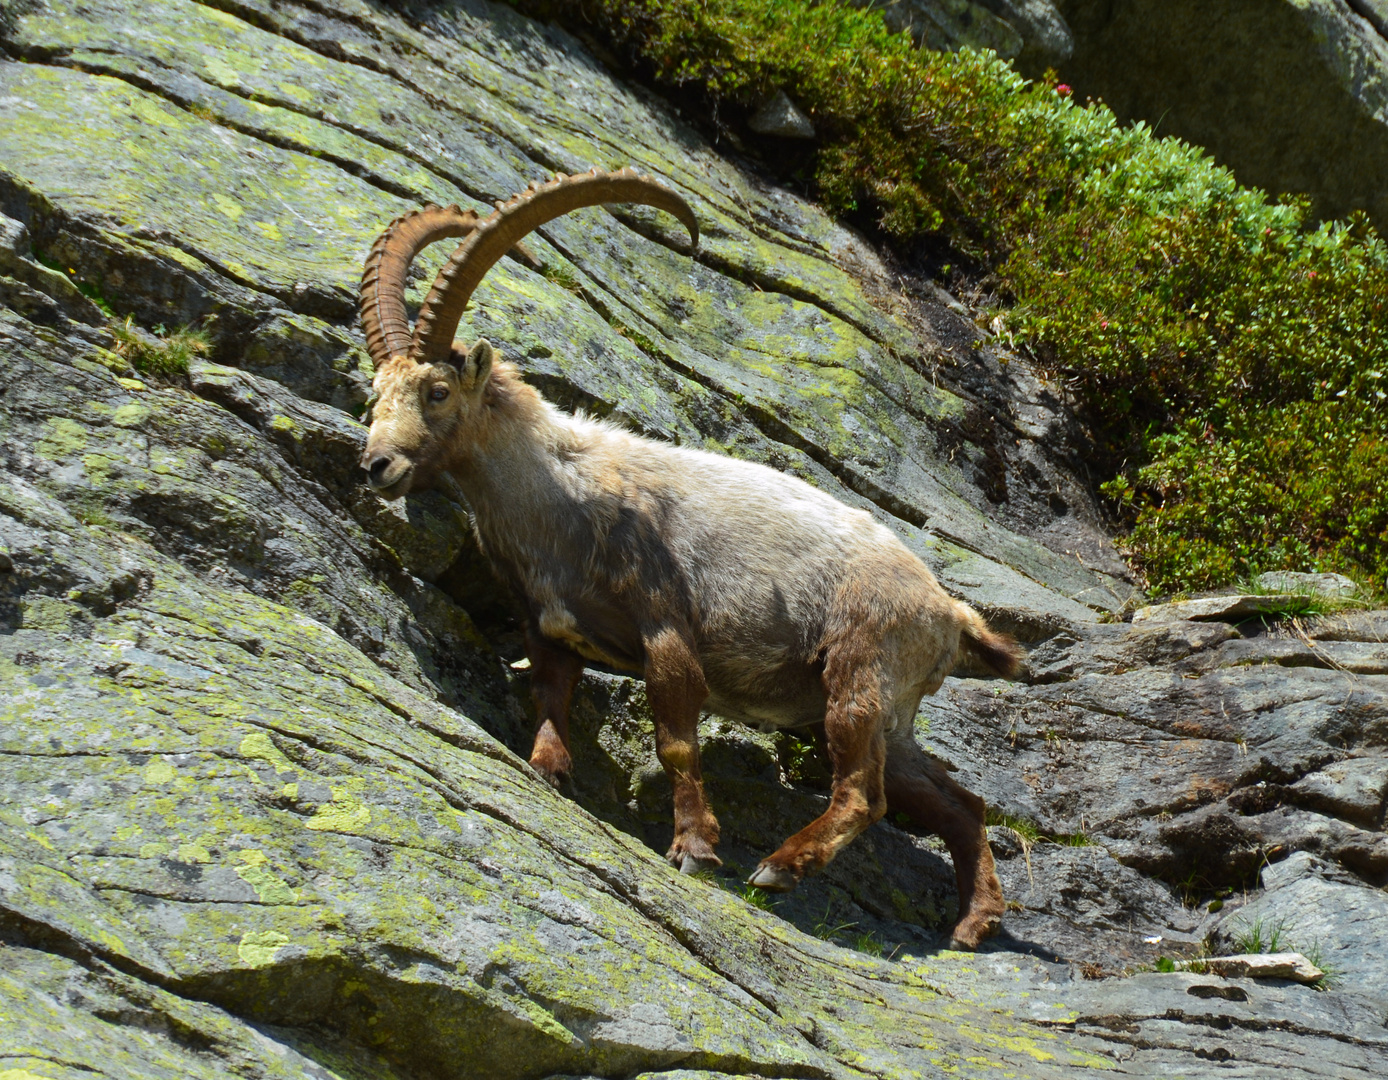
[727, 585]
[997, 652]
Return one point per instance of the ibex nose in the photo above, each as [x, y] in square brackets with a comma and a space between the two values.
[376, 468]
[387, 472]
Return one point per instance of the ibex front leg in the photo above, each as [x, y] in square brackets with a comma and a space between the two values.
[554, 672]
[676, 689]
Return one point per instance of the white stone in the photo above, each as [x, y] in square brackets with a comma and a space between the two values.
[1287, 965]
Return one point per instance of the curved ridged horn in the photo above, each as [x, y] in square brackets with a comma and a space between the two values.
[538, 204]
[383, 314]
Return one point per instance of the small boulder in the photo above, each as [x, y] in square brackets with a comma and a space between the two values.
[781, 117]
[1232, 607]
[1292, 581]
[1287, 965]
[956, 24]
[1046, 38]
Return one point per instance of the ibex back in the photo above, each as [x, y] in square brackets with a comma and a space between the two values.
[729, 586]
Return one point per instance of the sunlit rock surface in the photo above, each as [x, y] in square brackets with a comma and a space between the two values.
[260, 808]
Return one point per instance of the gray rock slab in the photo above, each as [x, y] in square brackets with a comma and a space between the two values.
[1291, 581]
[1235, 1026]
[1079, 903]
[1333, 917]
[1112, 648]
[255, 790]
[66, 1019]
[1349, 626]
[1181, 1024]
[1233, 607]
[1184, 749]
[1355, 789]
[1296, 649]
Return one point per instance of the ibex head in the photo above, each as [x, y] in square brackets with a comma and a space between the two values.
[431, 391]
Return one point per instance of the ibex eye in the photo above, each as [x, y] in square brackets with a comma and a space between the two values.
[438, 393]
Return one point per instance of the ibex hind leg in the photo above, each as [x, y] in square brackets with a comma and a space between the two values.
[853, 734]
[919, 786]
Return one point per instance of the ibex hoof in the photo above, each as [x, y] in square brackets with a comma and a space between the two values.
[772, 878]
[692, 864]
[553, 779]
[971, 933]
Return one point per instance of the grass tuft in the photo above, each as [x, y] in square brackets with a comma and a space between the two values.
[828, 930]
[1029, 833]
[164, 355]
[758, 898]
[1261, 936]
[1026, 830]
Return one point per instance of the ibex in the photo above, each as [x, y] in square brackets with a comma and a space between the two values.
[729, 586]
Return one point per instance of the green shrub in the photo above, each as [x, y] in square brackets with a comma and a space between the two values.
[1227, 350]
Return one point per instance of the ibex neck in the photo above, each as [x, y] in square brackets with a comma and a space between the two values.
[519, 478]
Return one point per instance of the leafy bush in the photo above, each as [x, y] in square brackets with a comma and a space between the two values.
[1228, 351]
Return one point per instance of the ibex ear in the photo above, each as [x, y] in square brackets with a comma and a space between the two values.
[474, 370]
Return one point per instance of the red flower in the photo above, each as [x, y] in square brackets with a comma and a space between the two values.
[1063, 90]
